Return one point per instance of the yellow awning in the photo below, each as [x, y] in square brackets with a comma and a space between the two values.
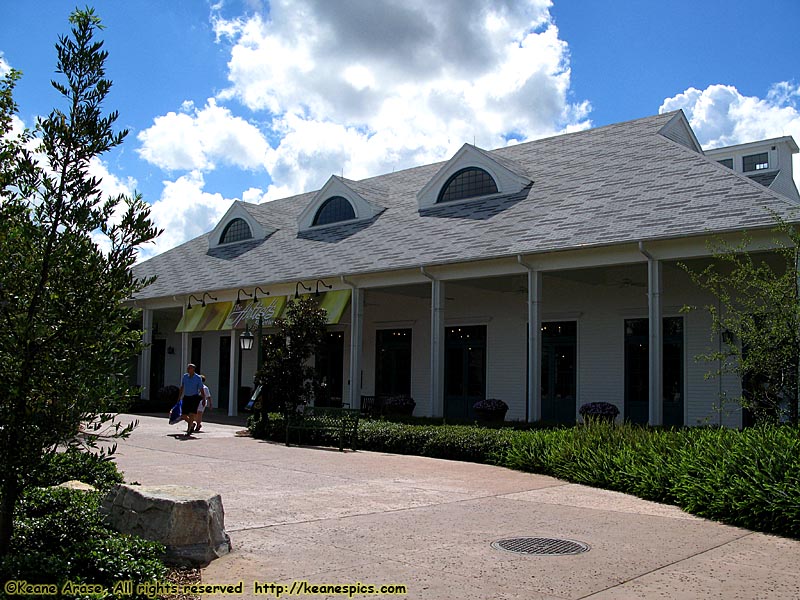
[268, 309]
[334, 304]
[204, 318]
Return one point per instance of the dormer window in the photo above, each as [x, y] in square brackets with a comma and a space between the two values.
[236, 231]
[467, 183]
[334, 210]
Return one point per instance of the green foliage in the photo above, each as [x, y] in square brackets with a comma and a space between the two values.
[748, 478]
[285, 375]
[73, 464]
[60, 536]
[757, 315]
[67, 336]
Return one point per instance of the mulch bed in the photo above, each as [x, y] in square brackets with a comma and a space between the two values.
[183, 577]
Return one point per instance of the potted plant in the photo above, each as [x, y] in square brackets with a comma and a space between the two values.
[598, 412]
[399, 406]
[490, 410]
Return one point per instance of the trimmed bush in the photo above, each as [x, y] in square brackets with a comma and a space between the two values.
[59, 467]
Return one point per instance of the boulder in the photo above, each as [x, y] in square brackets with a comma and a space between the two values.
[74, 484]
[189, 521]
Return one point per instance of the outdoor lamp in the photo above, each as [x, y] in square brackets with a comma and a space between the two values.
[246, 341]
[203, 301]
[238, 299]
[300, 284]
[325, 285]
[255, 294]
[189, 304]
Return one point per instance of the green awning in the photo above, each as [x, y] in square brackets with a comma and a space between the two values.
[204, 318]
[334, 304]
[268, 309]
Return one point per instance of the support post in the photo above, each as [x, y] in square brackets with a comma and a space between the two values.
[147, 354]
[655, 357]
[437, 348]
[356, 345]
[534, 345]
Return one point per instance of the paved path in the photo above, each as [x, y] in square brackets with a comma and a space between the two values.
[329, 517]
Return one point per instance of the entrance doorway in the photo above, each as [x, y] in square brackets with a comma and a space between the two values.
[559, 372]
[158, 356]
[393, 362]
[464, 370]
[330, 369]
[224, 381]
[637, 371]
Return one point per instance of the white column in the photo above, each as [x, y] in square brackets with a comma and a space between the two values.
[356, 345]
[233, 385]
[144, 363]
[534, 345]
[655, 359]
[437, 348]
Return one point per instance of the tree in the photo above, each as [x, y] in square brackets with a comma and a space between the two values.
[66, 334]
[758, 320]
[285, 376]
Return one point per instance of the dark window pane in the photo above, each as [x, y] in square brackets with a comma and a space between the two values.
[467, 183]
[236, 231]
[334, 210]
[755, 162]
[726, 162]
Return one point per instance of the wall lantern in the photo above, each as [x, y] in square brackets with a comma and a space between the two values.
[325, 285]
[299, 285]
[246, 341]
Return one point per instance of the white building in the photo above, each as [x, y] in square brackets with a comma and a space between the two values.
[532, 273]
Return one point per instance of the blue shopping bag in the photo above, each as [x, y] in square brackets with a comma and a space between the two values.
[175, 413]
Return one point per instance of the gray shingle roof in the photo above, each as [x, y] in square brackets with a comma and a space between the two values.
[614, 184]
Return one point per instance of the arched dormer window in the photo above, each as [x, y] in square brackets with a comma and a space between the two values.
[467, 183]
[334, 210]
[236, 231]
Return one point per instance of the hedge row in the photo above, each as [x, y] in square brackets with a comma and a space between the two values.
[747, 478]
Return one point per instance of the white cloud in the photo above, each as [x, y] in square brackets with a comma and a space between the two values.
[4, 66]
[184, 211]
[366, 88]
[201, 138]
[722, 116]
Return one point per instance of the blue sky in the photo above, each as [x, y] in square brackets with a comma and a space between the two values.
[257, 100]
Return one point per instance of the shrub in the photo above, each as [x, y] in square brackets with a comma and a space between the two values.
[60, 536]
[490, 404]
[598, 410]
[399, 405]
[101, 472]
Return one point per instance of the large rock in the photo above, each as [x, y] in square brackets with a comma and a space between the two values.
[189, 521]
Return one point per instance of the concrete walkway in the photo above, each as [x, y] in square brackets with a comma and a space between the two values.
[338, 518]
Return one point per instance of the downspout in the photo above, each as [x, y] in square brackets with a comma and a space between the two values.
[356, 340]
[534, 341]
[655, 340]
[437, 348]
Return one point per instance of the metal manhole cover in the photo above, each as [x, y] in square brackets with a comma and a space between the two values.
[541, 546]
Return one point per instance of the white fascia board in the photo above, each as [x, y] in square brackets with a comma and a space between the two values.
[335, 186]
[238, 211]
[508, 182]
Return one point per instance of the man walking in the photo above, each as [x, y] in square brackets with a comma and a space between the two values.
[192, 394]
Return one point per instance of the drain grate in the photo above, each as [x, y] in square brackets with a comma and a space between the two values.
[541, 546]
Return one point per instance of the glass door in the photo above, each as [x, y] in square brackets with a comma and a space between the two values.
[465, 370]
[393, 362]
[559, 372]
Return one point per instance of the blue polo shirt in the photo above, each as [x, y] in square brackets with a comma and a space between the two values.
[192, 385]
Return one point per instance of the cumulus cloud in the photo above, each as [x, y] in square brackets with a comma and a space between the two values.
[722, 116]
[184, 211]
[199, 139]
[367, 87]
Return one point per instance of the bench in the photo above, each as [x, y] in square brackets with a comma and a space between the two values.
[325, 418]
